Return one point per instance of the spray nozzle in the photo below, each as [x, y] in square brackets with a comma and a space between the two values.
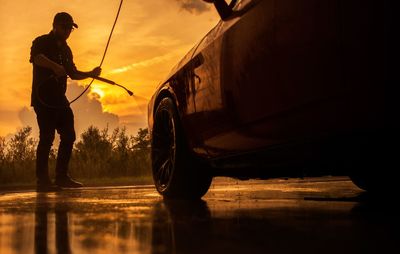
[113, 83]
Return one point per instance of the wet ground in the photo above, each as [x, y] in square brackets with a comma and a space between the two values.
[315, 215]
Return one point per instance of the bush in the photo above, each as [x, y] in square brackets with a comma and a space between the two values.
[99, 154]
[18, 157]
[96, 155]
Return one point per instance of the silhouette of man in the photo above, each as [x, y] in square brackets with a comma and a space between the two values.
[52, 61]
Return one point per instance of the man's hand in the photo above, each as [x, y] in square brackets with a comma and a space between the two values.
[95, 72]
[59, 70]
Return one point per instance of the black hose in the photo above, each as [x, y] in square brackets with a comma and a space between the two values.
[104, 54]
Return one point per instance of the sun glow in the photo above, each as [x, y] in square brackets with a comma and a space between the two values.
[96, 91]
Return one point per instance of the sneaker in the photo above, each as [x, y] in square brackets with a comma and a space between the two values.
[67, 182]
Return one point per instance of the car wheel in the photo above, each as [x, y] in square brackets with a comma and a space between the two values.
[175, 171]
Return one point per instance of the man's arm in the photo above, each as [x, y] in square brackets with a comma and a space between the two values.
[42, 61]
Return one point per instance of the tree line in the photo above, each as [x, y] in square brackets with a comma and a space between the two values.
[97, 154]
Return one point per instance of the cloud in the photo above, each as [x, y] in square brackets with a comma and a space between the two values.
[28, 118]
[88, 111]
[193, 6]
[145, 63]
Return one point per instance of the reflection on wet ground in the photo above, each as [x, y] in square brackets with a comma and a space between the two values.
[318, 215]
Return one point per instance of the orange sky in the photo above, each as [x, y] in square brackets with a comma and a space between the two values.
[150, 38]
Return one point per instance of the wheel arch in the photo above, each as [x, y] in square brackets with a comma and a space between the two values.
[168, 91]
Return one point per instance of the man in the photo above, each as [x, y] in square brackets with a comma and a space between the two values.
[52, 61]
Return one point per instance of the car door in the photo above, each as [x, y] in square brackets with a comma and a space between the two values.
[270, 74]
[214, 121]
[218, 118]
[282, 70]
[203, 95]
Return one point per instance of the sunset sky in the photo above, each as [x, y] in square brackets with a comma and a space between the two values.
[149, 39]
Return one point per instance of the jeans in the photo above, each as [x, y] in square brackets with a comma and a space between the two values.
[50, 120]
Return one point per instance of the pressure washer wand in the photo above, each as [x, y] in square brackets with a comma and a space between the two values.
[113, 83]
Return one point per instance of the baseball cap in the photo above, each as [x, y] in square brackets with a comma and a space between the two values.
[64, 18]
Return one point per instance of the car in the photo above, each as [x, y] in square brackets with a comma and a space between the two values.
[284, 88]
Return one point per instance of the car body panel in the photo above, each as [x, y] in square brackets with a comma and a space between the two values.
[281, 72]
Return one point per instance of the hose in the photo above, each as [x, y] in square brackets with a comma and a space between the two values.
[104, 54]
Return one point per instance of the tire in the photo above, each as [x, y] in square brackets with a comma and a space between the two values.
[176, 174]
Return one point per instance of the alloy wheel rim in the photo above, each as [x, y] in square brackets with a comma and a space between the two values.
[163, 149]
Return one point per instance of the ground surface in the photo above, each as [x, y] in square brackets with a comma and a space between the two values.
[312, 215]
